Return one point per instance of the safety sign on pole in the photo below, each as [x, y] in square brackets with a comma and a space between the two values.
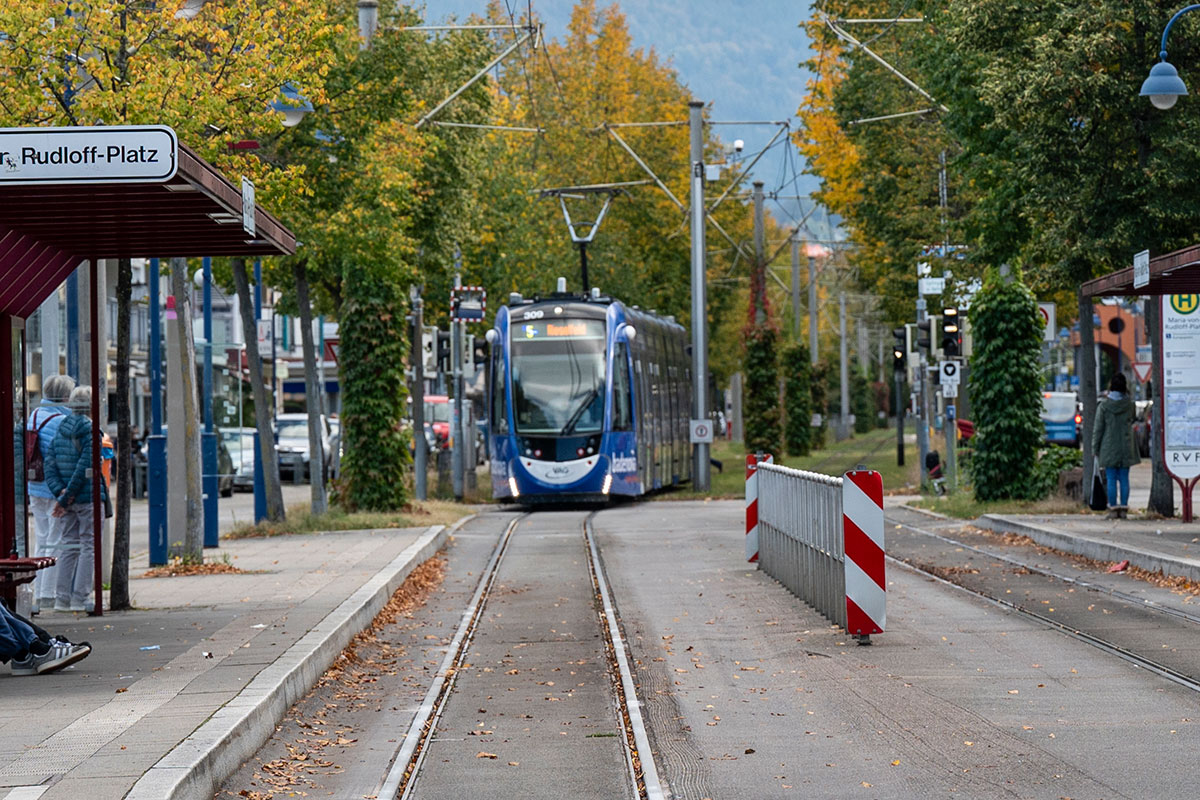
[752, 462]
[862, 533]
[949, 372]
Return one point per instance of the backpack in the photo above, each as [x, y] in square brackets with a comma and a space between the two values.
[34, 465]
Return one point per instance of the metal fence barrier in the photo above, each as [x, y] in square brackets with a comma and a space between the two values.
[800, 541]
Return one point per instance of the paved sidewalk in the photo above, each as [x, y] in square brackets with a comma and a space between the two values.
[179, 692]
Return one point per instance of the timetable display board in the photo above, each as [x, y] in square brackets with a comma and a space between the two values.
[1181, 384]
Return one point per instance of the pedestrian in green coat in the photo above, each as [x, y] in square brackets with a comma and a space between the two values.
[1113, 444]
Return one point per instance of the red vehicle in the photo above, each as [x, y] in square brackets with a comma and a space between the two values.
[437, 414]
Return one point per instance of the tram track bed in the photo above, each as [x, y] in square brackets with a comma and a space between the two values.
[1151, 620]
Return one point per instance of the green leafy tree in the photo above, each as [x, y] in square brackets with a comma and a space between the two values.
[196, 67]
[797, 377]
[1005, 386]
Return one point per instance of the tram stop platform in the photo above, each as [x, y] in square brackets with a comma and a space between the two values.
[1158, 545]
[203, 664]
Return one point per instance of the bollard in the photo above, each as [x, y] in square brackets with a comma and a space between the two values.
[862, 537]
[752, 462]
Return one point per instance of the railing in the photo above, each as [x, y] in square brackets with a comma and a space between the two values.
[800, 536]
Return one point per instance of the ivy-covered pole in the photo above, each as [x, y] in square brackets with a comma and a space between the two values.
[762, 368]
[376, 461]
[1005, 387]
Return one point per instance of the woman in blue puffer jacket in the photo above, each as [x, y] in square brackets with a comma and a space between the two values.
[68, 477]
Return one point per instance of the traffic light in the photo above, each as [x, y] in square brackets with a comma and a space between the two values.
[443, 351]
[924, 338]
[899, 349]
[950, 332]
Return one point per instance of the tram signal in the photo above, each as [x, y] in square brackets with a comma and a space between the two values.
[443, 351]
[899, 349]
[950, 333]
[924, 337]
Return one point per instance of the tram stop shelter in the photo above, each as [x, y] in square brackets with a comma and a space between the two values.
[1173, 281]
[70, 196]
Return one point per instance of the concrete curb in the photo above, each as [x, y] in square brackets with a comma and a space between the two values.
[1098, 549]
[195, 768]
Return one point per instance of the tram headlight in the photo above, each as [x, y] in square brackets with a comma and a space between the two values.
[512, 485]
[607, 483]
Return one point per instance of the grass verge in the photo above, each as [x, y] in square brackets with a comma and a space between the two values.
[963, 505]
[301, 520]
[875, 450]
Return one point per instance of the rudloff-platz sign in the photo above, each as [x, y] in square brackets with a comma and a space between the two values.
[107, 154]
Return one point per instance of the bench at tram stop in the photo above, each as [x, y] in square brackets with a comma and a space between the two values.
[16, 571]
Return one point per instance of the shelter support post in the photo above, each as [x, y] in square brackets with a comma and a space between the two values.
[97, 433]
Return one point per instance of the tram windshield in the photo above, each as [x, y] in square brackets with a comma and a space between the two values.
[558, 376]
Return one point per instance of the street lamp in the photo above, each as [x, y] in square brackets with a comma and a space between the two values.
[1164, 86]
[292, 105]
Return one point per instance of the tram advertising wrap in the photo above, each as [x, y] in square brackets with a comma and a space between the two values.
[588, 399]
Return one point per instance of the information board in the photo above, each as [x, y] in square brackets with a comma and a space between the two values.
[1181, 383]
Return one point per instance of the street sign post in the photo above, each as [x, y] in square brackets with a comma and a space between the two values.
[701, 431]
[1141, 269]
[468, 304]
[248, 224]
[1049, 330]
[100, 154]
[932, 285]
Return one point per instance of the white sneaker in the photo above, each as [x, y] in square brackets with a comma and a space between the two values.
[60, 655]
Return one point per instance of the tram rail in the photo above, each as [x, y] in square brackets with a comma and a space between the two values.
[1130, 654]
[404, 774]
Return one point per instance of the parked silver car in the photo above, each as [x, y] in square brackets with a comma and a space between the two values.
[240, 443]
[291, 442]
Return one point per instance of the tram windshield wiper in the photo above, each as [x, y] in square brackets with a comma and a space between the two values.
[578, 415]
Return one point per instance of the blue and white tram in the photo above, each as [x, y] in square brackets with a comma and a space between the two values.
[588, 399]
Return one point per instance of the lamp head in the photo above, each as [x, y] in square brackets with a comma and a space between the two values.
[1163, 86]
[292, 105]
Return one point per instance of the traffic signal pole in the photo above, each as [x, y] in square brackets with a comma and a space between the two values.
[701, 476]
[899, 363]
[417, 357]
[922, 412]
[950, 347]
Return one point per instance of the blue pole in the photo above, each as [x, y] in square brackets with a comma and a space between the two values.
[260, 488]
[209, 438]
[156, 443]
[73, 324]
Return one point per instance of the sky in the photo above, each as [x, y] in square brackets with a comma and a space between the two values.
[742, 57]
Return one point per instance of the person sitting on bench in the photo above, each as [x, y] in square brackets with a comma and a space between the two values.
[32, 650]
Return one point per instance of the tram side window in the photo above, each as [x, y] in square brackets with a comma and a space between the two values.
[622, 418]
[499, 384]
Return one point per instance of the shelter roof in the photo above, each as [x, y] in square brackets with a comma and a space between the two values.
[1171, 273]
[46, 230]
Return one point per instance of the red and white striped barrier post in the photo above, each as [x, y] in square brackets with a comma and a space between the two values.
[862, 535]
[752, 462]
